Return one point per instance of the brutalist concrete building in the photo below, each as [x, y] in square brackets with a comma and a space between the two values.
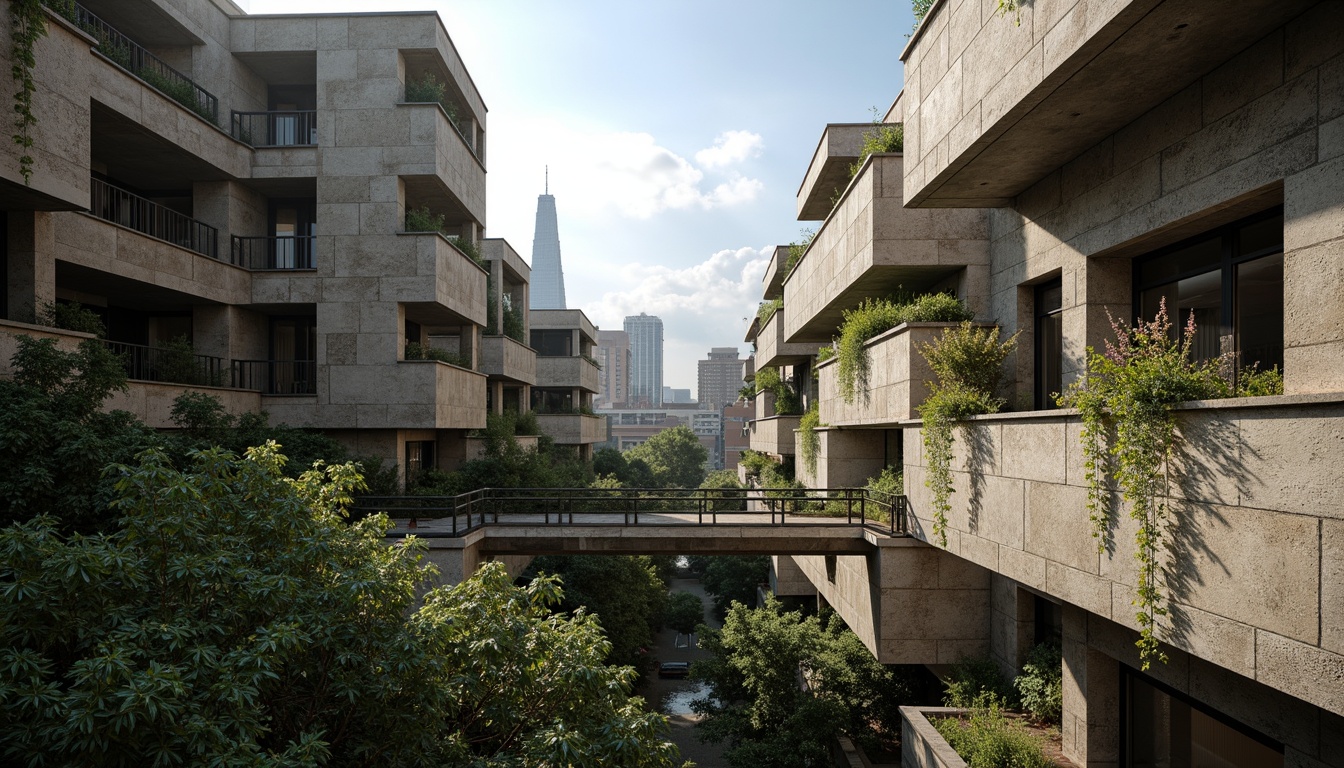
[242, 184]
[1063, 160]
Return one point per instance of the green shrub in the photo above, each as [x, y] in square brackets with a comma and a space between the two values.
[875, 316]
[882, 139]
[513, 321]
[526, 424]
[71, 317]
[973, 679]
[177, 89]
[825, 353]
[988, 739]
[796, 250]
[1040, 685]
[968, 363]
[422, 220]
[767, 310]
[809, 442]
[471, 249]
[1252, 382]
[787, 402]
[416, 351]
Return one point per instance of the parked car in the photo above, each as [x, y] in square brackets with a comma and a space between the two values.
[674, 669]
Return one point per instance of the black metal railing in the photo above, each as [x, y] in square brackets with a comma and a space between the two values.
[294, 128]
[825, 507]
[135, 59]
[276, 377]
[283, 252]
[175, 364]
[148, 217]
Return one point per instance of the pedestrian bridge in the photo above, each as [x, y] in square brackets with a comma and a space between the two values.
[648, 521]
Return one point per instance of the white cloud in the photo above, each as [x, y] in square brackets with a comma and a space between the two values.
[729, 148]
[704, 305]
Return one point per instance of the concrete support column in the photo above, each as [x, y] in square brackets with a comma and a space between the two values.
[846, 458]
[212, 329]
[30, 266]
[455, 558]
[497, 397]
[497, 290]
[1012, 613]
[1313, 268]
[1091, 718]
[1092, 288]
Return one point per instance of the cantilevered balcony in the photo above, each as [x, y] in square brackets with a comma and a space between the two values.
[504, 358]
[132, 211]
[828, 173]
[897, 381]
[773, 351]
[569, 372]
[573, 428]
[775, 270]
[774, 435]
[294, 128]
[1017, 98]
[872, 247]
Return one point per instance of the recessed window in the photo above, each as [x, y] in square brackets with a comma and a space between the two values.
[1049, 332]
[1231, 280]
[419, 457]
[1164, 728]
[553, 343]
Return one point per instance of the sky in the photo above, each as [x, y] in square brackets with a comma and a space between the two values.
[676, 133]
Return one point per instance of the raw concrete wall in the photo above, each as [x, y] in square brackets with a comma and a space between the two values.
[1253, 556]
[774, 435]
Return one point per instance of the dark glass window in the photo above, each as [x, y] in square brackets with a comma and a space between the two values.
[419, 457]
[1049, 342]
[553, 343]
[1164, 728]
[1231, 280]
[1048, 626]
[553, 400]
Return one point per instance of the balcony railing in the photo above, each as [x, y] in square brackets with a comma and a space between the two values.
[276, 377]
[275, 129]
[273, 253]
[175, 364]
[132, 211]
[133, 57]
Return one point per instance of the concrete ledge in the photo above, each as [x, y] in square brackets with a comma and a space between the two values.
[922, 746]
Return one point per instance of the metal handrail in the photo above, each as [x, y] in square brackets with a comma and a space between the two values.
[130, 210]
[825, 507]
[273, 253]
[169, 365]
[276, 377]
[275, 128]
[134, 58]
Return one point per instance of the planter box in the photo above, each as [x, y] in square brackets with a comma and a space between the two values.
[922, 746]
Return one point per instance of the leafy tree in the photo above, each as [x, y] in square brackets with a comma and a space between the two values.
[631, 472]
[734, 579]
[725, 502]
[55, 438]
[507, 464]
[685, 612]
[623, 593]
[236, 618]
[675, 456]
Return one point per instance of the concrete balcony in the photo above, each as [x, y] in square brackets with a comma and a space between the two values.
[898, 379]
[773, 281]
[829, 170]
[568, 372]
[1256, 530]
[773, 351]
[872, 246]
[774, 435]
[1069, 74]
[411, 394]
[434, 147]
[749, 369]
[573, 428]
[504, 358]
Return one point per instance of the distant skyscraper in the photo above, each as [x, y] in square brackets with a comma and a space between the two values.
[720, 378]
[646, 360]
[613, 354]
[548, 275]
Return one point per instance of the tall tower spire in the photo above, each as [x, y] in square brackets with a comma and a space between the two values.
[548, 275]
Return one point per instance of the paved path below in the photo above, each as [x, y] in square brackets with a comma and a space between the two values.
[672, 697]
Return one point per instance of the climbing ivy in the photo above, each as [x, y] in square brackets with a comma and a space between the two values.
[1129, 434]
[968, 364]
[809, 442]
[28, 23]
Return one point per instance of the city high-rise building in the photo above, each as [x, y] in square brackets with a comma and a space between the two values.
[720, 378]
[613, 354]
[548, 275]
[646, 360]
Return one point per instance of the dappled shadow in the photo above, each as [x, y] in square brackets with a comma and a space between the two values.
[979, 456]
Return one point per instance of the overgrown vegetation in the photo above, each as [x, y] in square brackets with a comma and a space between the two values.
[757, 707]
[429, 89]
[423, 220]
[233, 616]
[418, 351]
[1040, 687]
[1129, 435]
[797, 249]
[968, 365]
[986, 738]
[787, 400]
[732, 499]
[767, 310]
[876, 316]
[27, 24]
[71, 317]
[972, 679]
[882, 138]
[809, 442]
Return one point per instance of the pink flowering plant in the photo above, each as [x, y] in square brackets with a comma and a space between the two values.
[1129, 433]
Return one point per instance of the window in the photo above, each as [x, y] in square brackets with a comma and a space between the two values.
[1231, 279]
[553, 400]
[1164, 728]
[419, 457]
[1048, 621]
[1049, 343]
[553, 343]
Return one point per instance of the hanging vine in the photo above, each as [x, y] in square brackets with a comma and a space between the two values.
[1129, 435]
[28, 23]
[809, 442]
[968, 364]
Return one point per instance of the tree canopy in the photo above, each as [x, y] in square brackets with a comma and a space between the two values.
[234, 617]
[732, 578]
[674, 456]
